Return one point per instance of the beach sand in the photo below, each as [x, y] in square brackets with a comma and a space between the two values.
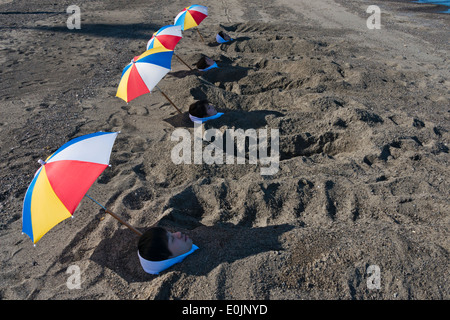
[363, 180]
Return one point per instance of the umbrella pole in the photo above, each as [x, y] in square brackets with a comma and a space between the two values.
[117, 217]
[168, 99]
[183, 62]
[200, 35]
[191, 70]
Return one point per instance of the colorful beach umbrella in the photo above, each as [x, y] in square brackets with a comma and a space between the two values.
[191, 17]
[63, 180]
[143, 73]
[166, 37]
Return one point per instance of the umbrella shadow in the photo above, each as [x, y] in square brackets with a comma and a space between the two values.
[184, 73]
[243, 119]
[238, 119]
[180, 121]
[35, 12]
[119, 254]
[224, 45]
[225, 73]
[224, 243]
[227, 243]
[122, 31]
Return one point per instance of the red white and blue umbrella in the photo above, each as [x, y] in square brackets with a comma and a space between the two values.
[167, 37]
[63, 180]
[191, 17]
[143, 73]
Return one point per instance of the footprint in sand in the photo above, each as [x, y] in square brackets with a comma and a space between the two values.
[135, 199]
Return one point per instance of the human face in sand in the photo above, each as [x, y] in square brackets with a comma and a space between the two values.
[178, 243]
[225, 36]
[209, 61]
[210, 110]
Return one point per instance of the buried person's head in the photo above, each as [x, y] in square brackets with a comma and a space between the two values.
[159, 249]
[202, 109]
[204, 63]
[224, 36]
[158, 244]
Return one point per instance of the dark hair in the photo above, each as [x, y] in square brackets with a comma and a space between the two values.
[198, 108]
[201, 64]
[224, 36]
[153, 244]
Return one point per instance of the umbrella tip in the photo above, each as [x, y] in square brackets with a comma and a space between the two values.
[41, 162]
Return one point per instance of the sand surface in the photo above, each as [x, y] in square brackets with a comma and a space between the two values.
[363, 180]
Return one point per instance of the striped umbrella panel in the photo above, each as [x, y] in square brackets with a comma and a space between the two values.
[191, 16]
[144, 72]
[167, 37]
[59, 185]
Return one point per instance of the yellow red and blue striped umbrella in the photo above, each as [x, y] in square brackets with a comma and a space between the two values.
[191, 16]
[166, 37]
[63, 180]
[143, 73]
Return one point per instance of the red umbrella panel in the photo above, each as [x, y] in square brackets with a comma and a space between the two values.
[144, 72]
[167, 37]
[191, 16]
[63, 180]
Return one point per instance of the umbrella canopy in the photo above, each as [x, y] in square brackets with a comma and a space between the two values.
[144, 72]
[191, 16]
[62, 181]
[166, 37]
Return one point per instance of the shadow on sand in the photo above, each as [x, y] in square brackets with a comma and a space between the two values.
[122, 31]
[232, 118]
[224, 243]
